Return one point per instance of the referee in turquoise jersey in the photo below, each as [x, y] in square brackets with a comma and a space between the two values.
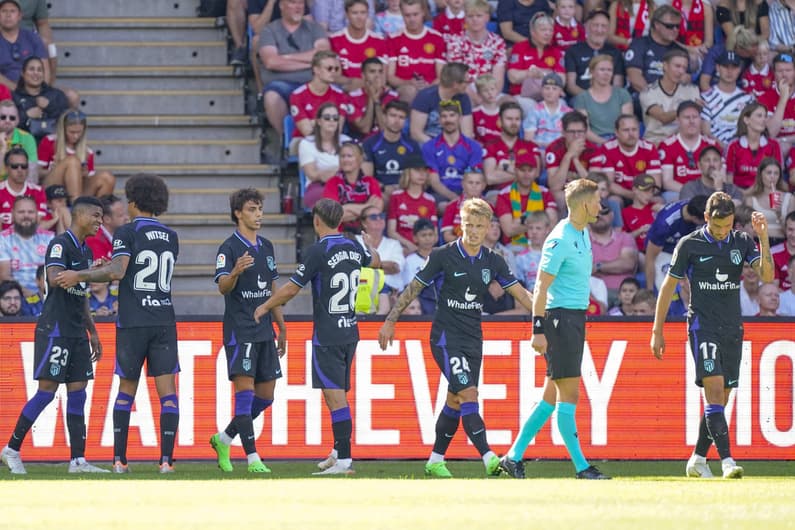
[561, 297]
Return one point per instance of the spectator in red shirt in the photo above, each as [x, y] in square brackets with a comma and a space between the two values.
[639, 215]
[450, 21]
[410, 203]
[745, 153]
[498, 163]
[114, 215]
[568, 31]
[306, 99]
[18, 185]
[369, 103]
[570, 156]
[355, 43]
[784, 251]
[351, 187]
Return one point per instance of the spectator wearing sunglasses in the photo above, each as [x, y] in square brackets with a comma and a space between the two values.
[615, 255]
[318, 154]
[287, 48]
[18, 185]
[17, 44]
[645, 54]
[67, 160]
[11, 135]
[373, 221]
[307, 98]
[680, 153]
[39, 104]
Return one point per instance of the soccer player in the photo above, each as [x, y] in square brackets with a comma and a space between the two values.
[245, 270]
[332, 266]
[561, 297]
[712, 259]
[467, 268]
[62, 353]
[144, 253]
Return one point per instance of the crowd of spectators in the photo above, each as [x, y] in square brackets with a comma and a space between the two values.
[402, 109]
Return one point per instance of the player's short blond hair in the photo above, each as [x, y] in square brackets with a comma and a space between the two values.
[578, 190]
[477, 207]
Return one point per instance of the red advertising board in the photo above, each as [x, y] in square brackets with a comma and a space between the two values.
[631, 405]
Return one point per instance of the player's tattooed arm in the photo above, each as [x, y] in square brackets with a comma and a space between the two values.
[409, 294]
[113, 271]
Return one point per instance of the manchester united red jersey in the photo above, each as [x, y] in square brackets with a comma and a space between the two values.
[685, 163]
[557, 150]
[46, 154]
[406, 210]
[781, 257]
[359, 100]
[626, 165]
[486, 128]
[634, 218]
[416, 56]
[567, 35]
[352, 52]
[742, 162]
[304, 104]
[524, 55]
[770, 100]
[448, 24]
[757, 82]
[7, 198]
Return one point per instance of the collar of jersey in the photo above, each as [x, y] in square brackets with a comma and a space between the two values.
[73, 237]
[711, 239]
[246, 241]
[463, 251]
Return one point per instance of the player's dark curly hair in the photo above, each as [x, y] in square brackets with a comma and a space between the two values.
[85, 201]
[239, 199]
[148, 192]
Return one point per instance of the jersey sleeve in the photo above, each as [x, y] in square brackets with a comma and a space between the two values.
[224, 261]
[680, 260]
[56, 254]
[270, 259]
[552, 256]
[502, 273]
[122, 242]
[633, 58]
[307, 270]
[751, 250]
[432, 267]
[367, 258]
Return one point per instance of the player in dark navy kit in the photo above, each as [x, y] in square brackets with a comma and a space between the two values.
[332, 267]
[144, 253]
[62, 352]
[245, 269]
[456, 335]
[711, 259]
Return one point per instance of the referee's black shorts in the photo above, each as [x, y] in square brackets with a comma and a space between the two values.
[565, 333]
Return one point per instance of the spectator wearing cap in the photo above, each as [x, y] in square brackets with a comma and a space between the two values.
[713, 178]
[644, 57]
[425, 123]
[17, 185]
[450, 154]
[578, 57]
[17, 44]
[287, 48]
[498, 163]
[780, 101]
[680, 153]
[410, 202]
[742, 41]
[386, 151]
[479, 48]
[543, 124]
[58, 207]
[23, 245]
[662, 97]
[639, 215]
[724, 102]
[603, 102]
[523, 196]
[626, 156]
[615, 254]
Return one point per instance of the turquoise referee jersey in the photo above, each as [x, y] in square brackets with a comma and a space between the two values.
[567, 256]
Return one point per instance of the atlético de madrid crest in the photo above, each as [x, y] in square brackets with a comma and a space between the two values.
[735, 256]
[486, 275]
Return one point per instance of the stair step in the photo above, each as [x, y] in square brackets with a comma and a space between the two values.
[217, 226]
[123, 8]
[203, 251]
[151, 83]
[195, 151]
[210, 170]
[138, 29]
[105, 102]
[213, 200]
[100, 53]
[198, 130]
[199, 71]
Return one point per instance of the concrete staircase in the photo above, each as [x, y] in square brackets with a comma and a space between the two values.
[160, 98]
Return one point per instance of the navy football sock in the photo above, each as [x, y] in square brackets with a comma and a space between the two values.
[704, 441]
[169, 421]
[718, 429]
[76, 422]
[342, 427]
[243, 421]
[474, 426]
[121, 425]
[446, 427]
[28, 416]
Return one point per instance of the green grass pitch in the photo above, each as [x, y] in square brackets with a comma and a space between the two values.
[395, 495]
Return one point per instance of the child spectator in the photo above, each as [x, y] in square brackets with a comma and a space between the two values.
[626, 292]
[390, 20]
[643, 303]
[528, 260]
[568, 31]
[410, 203]
[787, 298]
[425, 238]
[473, 184]
[450, 22]
[58, 207]
[486, 114]
[639, 215]
[543, 123]
[101, 302]
[758, 77]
